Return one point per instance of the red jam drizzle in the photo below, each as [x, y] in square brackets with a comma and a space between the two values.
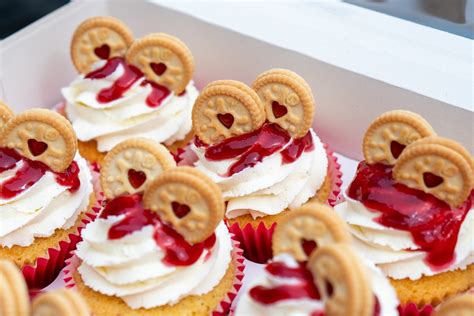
[178, 252]
[252, 147]
[30, 173]
[157, 95]
[433, 224]
[297, 147]
[130, 75]
[305, 288]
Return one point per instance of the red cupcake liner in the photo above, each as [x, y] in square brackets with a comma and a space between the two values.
[257, 242]
[46, 269]
[411, 309]
[222, 308]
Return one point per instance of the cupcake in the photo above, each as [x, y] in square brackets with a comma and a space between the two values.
[315, 271]
[128, 88]
[15, 300]
[46, 193]
[259, 147]
[410, 209]
[159, 246]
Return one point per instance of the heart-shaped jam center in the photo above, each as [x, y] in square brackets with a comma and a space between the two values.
[103, 52]
[308, 246]
[431, 180]
[136, 178]
[36, 148]
[278, 109]
[226, 119]
[180, 210]
[158, 69]
[396, 148]
[329, 288]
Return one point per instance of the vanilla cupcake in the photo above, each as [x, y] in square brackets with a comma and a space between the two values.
[159, 246]
[259, 147]
[46, 193]
[128, 88]
[316, 272]
[410, 209]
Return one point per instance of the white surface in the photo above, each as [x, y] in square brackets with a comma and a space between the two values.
[354, 38]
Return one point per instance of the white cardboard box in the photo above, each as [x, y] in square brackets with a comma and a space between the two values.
[359, 63]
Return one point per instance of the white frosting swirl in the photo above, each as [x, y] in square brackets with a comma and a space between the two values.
[302, 307]
[131, 267]
[128, 116]
[394, 251]
[269, 187]
[42, 208]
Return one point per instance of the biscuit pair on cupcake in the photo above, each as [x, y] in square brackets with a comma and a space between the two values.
[159, 245]
[410, 208]
[316, 271]
[257, 143]
[128, 87]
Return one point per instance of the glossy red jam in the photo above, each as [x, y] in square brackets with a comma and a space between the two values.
[253, 147]
[178, 252]
[297, 147]
[303, 288]
[130, 75]
[30, 173]
[433, 224]
[157, 95]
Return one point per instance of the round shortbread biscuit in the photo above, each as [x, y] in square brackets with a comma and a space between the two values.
[311, 222]
[42, 135]
[226, 110]
[238, 84]
[164, 59]
[14, 297]
[132, 165]
[5, 114]
[462, 305]
[390, 133]
[189, 201]
[437, 170]
[342, 281]
[446, 142]
[99, 38]
[287, 99]
[62, 302]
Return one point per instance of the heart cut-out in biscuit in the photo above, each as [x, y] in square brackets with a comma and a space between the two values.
[131, 165]
[188, 200]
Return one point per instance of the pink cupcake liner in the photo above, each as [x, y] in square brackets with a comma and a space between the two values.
[222, 309]
[411, 309]
[45, 269]
[257, 242]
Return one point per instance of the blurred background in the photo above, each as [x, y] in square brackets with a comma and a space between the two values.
[454, 16]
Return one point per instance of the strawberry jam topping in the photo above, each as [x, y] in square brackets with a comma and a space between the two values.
[131, 74]
[30, 173]
[302, 285]
[253, 147]
[178, 252]
[433, 224]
